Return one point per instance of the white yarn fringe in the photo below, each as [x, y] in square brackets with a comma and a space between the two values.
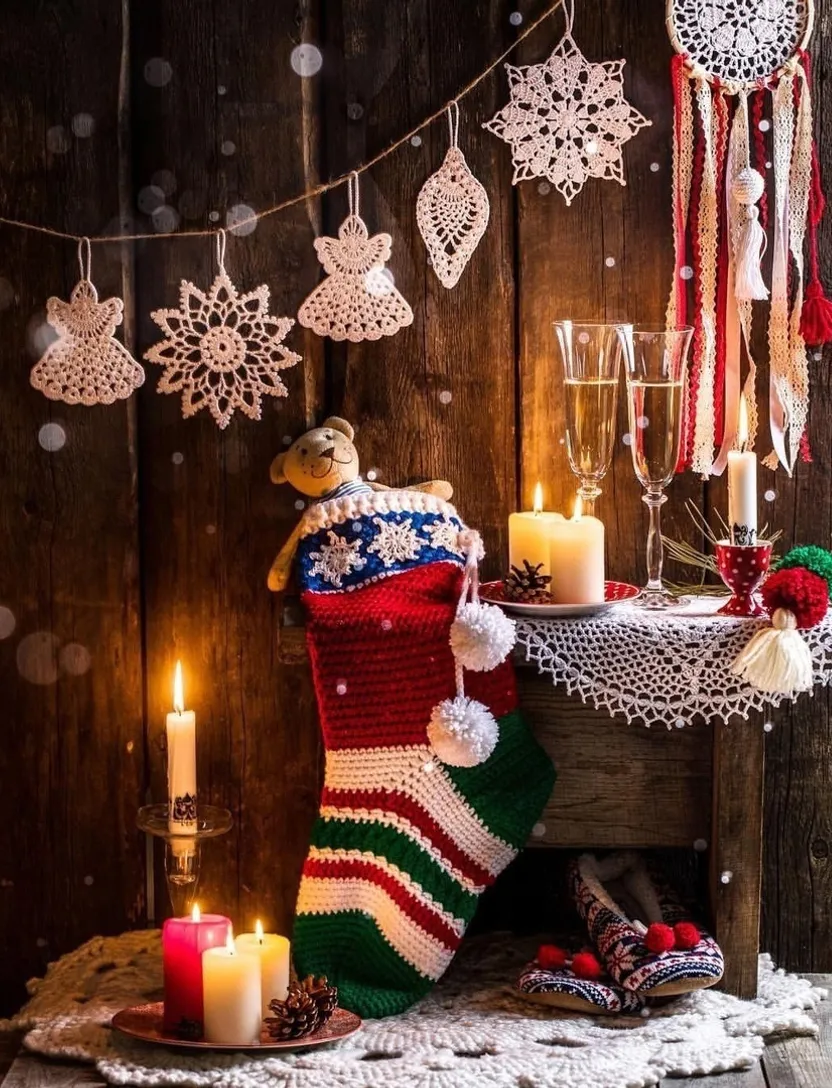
[777, 659]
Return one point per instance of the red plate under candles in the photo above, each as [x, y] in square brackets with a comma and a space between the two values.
[145, 1022]
[614, 593]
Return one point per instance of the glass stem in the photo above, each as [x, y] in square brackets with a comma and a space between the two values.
[589, 492]
[655, 550]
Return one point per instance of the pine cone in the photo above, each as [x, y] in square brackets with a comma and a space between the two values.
[527, 586]
[308, 1005]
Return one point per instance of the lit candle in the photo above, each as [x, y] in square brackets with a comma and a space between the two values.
[528, 535]
[231, 981]
[742, 486]
[183, 942]
[181, 731]
[577, 559]
[273, 951]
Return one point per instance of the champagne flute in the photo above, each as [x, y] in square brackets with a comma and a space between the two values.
[591, 355]
[656, 362]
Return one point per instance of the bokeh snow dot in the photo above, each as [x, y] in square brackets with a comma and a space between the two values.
[37, 658]
[627, 439]
[355, 111]
[52, 437]
[642, 423]
[341, 687]
[764, 125]
[158, 72]
[544, 188]
[57, 140]
[768, 726]
[83, 125]
[211, 530]
[228, 147]
[539, 830]
[150, 198]
[610, 262]
[446, 396]
[306, 59]
[241, 219]
[583, 337]
[515, 18]
[7, 621]
[654, 166]
[165, 219]
[75, 659]
[177, 458]
[416, 141]
[287, 440]
[387, 625]
[372, 474]
[222, 89]
[770, 495]
[686, 272]
[214, 216]
[700, 845]
[300, 504]
[591, 147]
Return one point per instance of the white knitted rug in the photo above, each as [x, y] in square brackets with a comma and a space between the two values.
[471, 1029]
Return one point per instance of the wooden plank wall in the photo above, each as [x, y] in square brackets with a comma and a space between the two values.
[146, 537]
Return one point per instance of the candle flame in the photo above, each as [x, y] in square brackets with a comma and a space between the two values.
[579, 509]
[258, 930]
[742, 426]
[178, 694]
[196, 914]
[537, 505]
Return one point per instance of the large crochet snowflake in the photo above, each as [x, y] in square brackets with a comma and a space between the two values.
[222, 350]
[567, 120]
[444, 534]
[337, 559]
[395, 542]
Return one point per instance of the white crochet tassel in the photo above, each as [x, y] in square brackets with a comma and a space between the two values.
[777, 659]
[462, 731]
[747, 188]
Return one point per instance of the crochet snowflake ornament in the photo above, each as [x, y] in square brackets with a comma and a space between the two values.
[86, 364]
[222, 350]
[452, 211]
[358, 299]
[567, 119]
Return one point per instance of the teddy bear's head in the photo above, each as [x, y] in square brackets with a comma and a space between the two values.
[319, 461]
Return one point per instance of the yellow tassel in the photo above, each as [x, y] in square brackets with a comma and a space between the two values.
[777, 659]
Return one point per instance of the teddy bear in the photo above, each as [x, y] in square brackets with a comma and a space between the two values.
[323, 464]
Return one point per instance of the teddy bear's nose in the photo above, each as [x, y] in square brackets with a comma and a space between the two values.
[328, 452]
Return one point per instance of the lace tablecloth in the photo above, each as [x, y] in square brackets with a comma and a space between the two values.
[666, 668]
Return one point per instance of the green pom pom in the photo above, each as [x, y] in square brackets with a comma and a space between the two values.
[818, 560]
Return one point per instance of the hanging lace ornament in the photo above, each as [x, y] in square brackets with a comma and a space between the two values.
[86, 364]
[452, 211]
[567, 118]
[728, 51]
[222, 350]
[358, 299]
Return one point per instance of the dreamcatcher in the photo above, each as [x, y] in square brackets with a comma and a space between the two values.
[739, 62]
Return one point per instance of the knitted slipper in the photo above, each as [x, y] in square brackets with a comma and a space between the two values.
[644, 935]
[577, 983]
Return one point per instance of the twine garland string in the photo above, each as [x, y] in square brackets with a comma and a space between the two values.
[316, 190]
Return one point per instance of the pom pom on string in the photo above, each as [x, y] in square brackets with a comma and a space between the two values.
[586, 965]
[687, 935]
[482, 636]
[816, 315]
[462, 732]
[551, 957]
[777, 659]
[659, 938]
[811, 557]
[747, 188]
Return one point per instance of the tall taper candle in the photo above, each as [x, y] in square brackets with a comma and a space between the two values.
[181, 731]
[742, 486]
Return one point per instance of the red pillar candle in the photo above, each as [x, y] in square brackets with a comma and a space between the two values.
[183, 942]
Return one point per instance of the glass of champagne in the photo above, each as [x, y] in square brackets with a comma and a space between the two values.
[656, 363]
[591, 355]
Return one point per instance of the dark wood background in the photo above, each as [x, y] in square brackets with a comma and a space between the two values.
[146, 537]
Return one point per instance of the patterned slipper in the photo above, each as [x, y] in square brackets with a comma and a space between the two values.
[577, 983]
[645, 937]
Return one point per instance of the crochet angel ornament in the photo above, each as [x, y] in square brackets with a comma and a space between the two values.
[358, 299]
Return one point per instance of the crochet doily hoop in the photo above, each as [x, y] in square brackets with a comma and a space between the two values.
[740, 42]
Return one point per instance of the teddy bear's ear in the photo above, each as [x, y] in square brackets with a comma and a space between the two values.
[276, 473]
[338, 424]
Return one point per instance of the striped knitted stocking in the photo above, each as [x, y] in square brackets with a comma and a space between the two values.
[404, 844]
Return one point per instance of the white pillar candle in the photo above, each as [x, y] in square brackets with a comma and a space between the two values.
[231, 996]
[577, 559]
[181, 733]
[528, 535]
[273, 951]
[742, 486]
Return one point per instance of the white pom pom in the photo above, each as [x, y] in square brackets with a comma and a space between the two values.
[462, 732]
[748, 186]
[482, 636]
[777, 659]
